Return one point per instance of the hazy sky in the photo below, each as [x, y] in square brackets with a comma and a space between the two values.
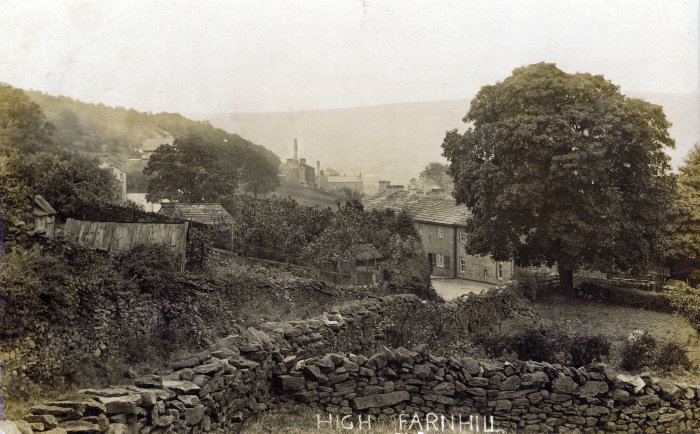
[262, 55]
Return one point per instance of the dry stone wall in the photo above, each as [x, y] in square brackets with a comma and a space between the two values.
[298, 363]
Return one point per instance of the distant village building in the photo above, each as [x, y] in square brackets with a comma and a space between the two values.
[205, 213]
[119, 175]
[442, 228]
[340, 182]
[296, 171]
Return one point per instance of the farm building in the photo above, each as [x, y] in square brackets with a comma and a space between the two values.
[363, 266]
[442, 228]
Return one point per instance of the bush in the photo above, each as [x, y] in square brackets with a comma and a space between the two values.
[542, 344]
[494, 343]
[672, 355]
[150, 266]
[639, 351]
[585, 350]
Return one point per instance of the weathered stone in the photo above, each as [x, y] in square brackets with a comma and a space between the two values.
[314, 372]
[60, 413]
[185, 387]
[471, 365]
[564, 384]
[47, 420]
[510, 383]
[669, 391]
[194, 415]
[593, 388]
[188, 400]
[80, 426]
[289, 382]
[149, 381]
[127, 404]
[383, 400]
[634, 381]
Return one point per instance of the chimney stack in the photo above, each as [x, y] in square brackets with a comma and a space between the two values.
[296, 151]
[318, 166]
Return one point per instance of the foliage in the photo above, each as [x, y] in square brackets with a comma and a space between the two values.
[639, 351]
[543, 344]
[199, 242]
[258, 174]
[672, 355]
[438, 175]
[30, 163]
[70, 182]
[23, 125]
[563, 167]
[150, 266]
[685, 255]
[585, 350]
[187, 171]
[87, 127]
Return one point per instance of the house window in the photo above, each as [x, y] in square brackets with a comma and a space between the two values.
[439, 260]
[440, 232]
[463, 264]
[499, 268]
[463, 237]
[486, 272]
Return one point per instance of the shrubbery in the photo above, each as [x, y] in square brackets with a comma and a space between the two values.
[544, 344]
[643, 351]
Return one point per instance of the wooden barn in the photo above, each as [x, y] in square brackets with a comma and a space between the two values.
[363, 267]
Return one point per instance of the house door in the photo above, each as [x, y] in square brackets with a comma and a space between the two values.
[431, 261]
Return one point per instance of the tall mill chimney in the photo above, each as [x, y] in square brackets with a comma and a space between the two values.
[296, 151]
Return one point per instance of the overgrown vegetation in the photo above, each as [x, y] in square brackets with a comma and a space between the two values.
[281, 230]
[643, 351]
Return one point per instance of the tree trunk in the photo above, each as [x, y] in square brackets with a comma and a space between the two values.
[566, 279]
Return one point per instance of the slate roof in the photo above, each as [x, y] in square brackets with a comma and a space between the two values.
[45, 208]
[427, 209]
[207, 213]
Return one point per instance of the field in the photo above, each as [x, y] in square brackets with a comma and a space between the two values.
[578, 316]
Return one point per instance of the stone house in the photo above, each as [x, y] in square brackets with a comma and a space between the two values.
[119, 175]
[442, 228]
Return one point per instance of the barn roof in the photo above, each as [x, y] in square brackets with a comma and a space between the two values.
[45, 208]
[207, 213]
[365, 252]
[427, 209]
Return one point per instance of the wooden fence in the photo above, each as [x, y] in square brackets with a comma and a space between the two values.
[116, 236]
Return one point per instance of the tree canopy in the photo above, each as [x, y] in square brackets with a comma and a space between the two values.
[686, 246]
[31, 163]
[189, 171]
[563, 168]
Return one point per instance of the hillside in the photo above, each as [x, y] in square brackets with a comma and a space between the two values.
[396, 141]
[96, 128]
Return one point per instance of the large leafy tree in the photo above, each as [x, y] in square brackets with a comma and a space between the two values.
[685, 256]
[23, 126]
[563, 168]
[187, 171]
